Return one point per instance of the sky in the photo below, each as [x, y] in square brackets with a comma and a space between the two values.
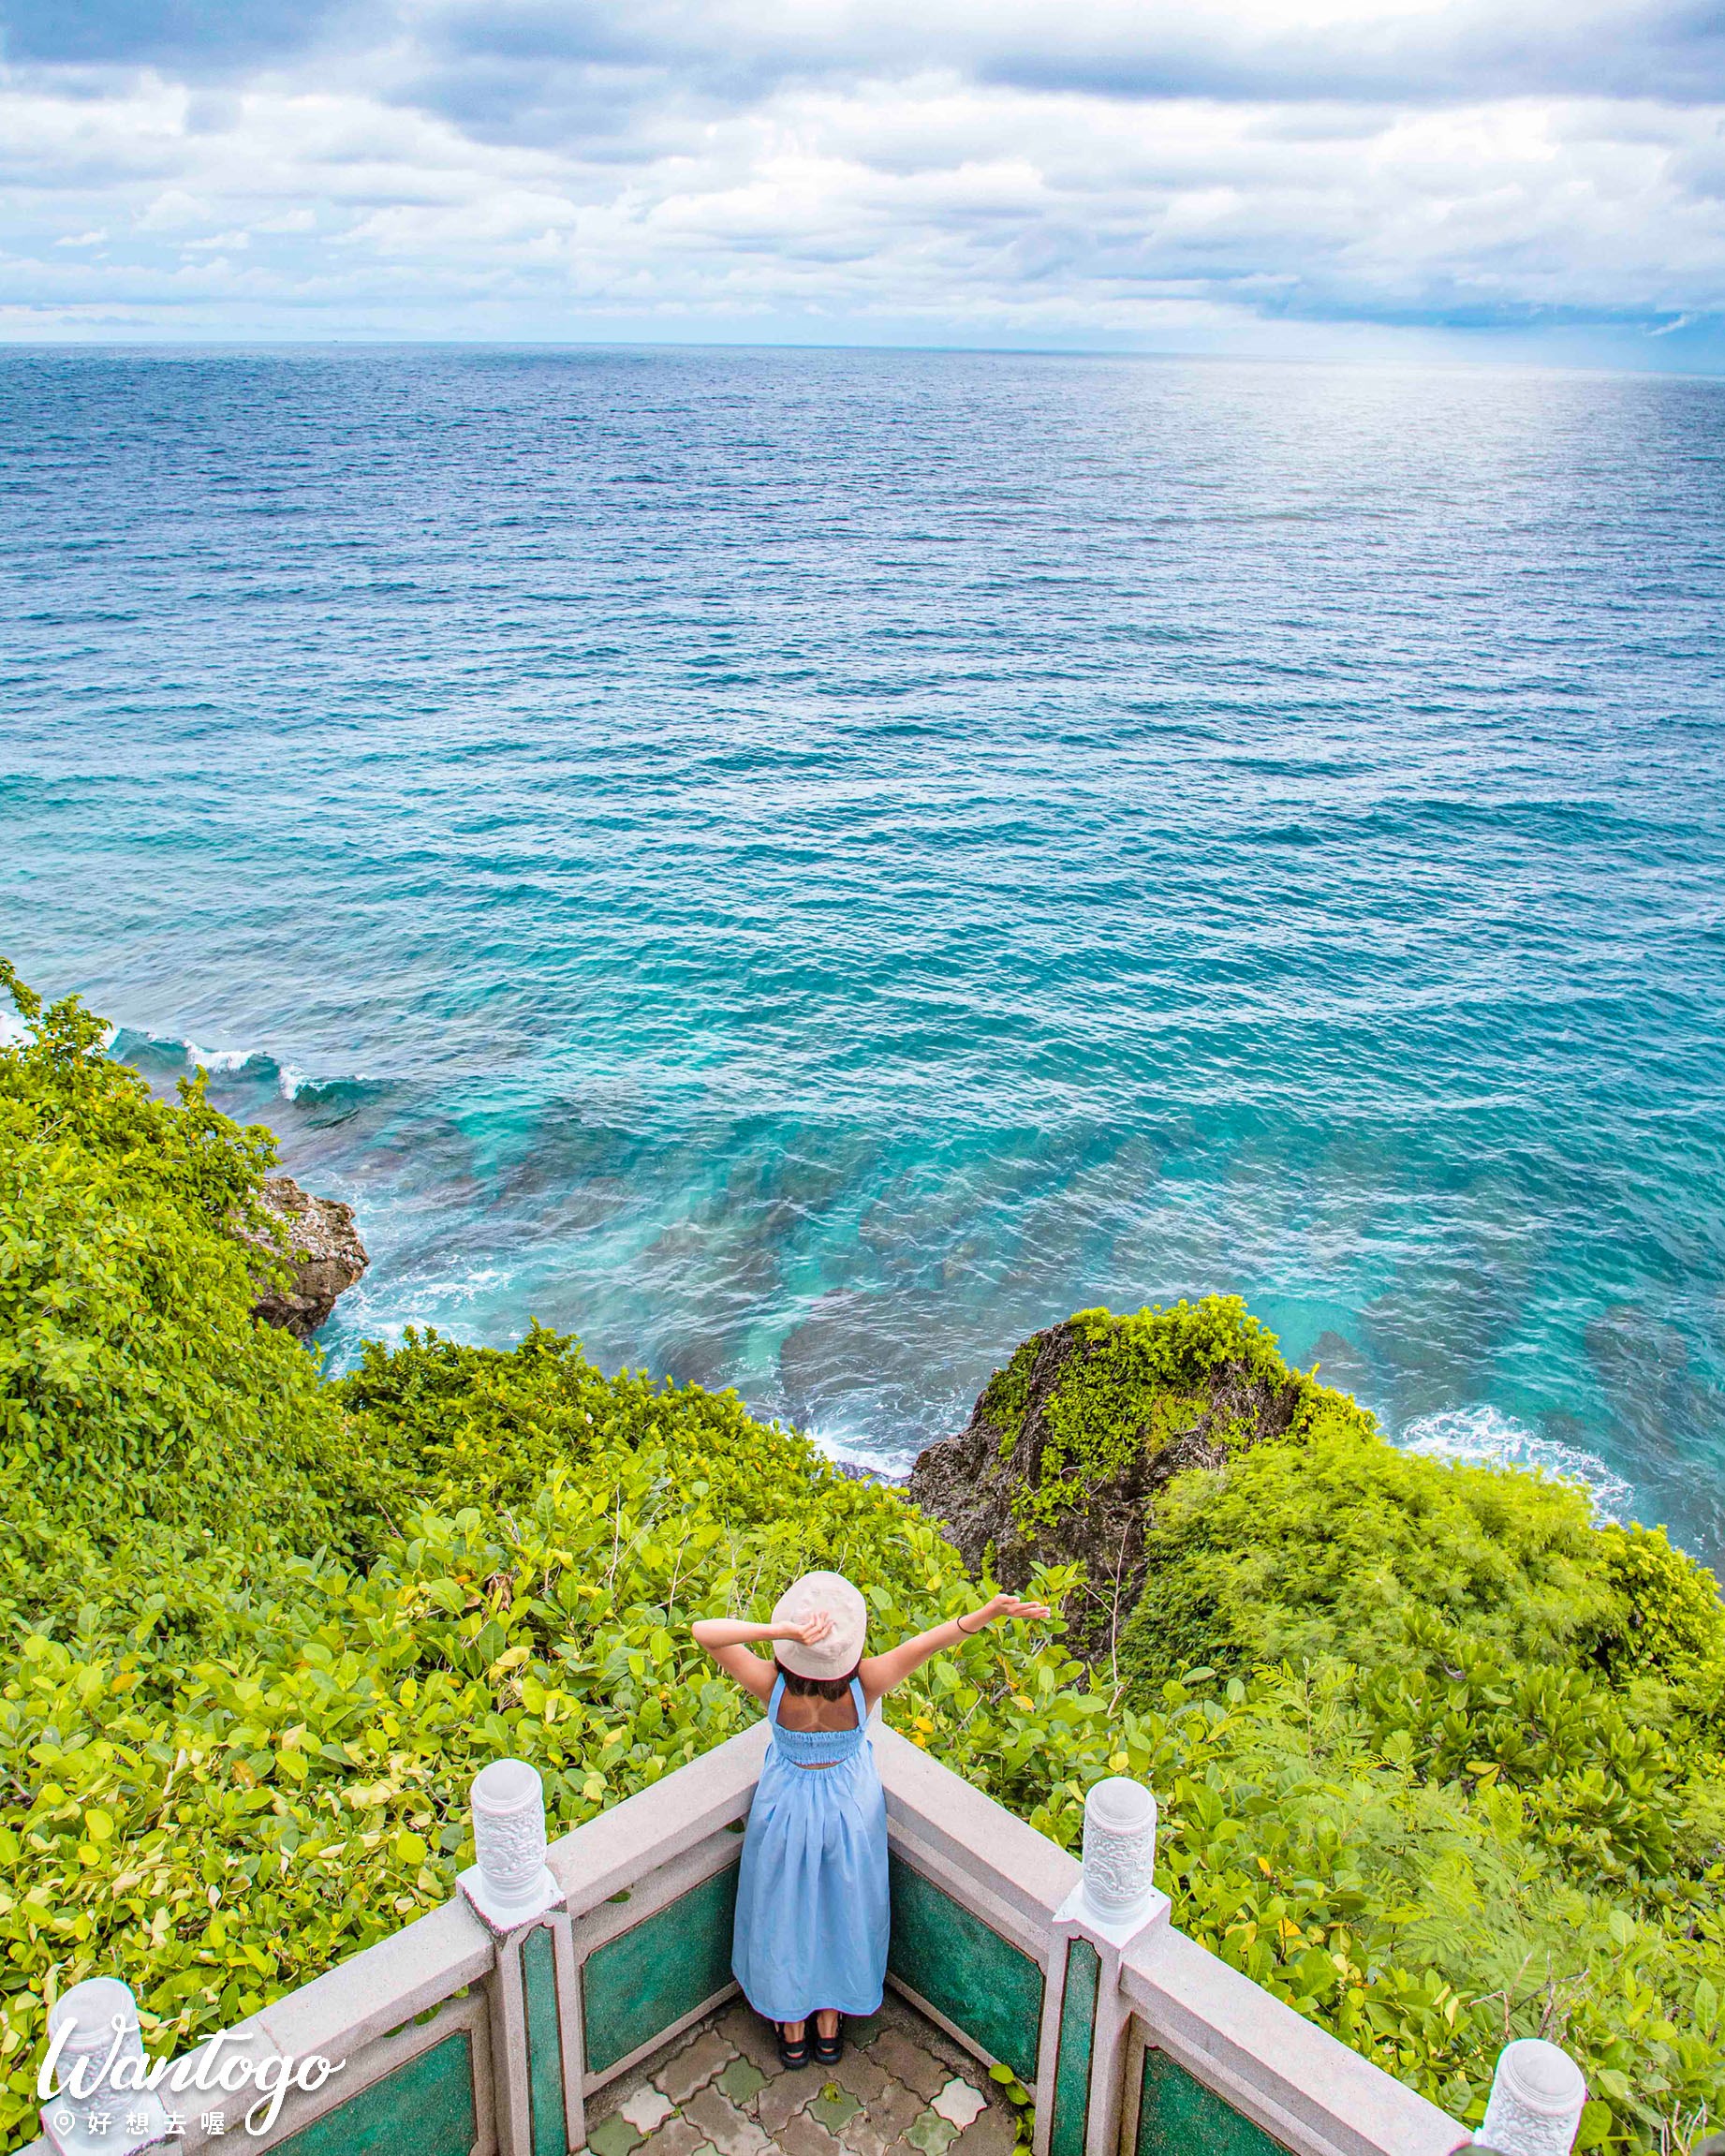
[1529, 179]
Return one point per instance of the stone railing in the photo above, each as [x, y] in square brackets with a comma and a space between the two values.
[485, 2028]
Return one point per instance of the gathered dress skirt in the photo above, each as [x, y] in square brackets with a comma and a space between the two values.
[812, 1905]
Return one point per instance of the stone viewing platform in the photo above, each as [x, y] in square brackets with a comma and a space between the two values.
[902, 2088]
[578, 1997]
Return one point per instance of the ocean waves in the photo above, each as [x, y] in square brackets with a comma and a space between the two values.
[948, 851]
[255, 1069]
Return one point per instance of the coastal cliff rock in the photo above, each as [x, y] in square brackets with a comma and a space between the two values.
[326, 1257]
[1069, 1443]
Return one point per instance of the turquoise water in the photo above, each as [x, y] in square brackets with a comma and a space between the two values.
[801, 867]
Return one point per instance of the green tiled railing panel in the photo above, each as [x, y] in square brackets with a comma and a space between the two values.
[424, 2108]
[1084, 1971]
[666, 1966]
[1177, 2116]
[539, 1969]
[981, 1982]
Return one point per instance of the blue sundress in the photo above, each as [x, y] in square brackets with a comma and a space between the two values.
[812, 1911]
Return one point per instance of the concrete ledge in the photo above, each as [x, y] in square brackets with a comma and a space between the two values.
[657, 1824]
[649, 1892]
[1293, 2079]
[979, 1839]
[468, 2016]
[1029, 1934]
[359, 2016]
[364, 1998]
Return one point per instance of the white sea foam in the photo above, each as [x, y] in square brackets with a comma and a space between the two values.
[1485, 1437]
[893, 1464]
[218, 1059]
[423, 1299]
[289, 1079]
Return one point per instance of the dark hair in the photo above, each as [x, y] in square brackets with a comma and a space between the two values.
[817, 1687]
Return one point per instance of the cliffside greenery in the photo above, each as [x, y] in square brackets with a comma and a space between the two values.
[1435, 1756]
[1137, 1384]
[130, 1368]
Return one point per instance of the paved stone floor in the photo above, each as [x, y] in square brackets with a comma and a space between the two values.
[902, 2088]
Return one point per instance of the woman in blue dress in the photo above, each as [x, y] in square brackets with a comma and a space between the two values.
[811, 1929]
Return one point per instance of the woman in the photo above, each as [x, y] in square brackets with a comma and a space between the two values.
[811, 1928]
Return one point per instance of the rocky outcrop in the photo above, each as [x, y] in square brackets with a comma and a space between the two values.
[324, 1256]
[977, 1483]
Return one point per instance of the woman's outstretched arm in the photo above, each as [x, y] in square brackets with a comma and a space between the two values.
[879, 1673]
[730, 1642]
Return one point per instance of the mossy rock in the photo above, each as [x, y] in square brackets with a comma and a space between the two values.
[1069, 1442]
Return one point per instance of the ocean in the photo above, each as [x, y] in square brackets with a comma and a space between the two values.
[802, 866]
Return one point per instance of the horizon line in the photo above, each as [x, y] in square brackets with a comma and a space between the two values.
[1480, 361]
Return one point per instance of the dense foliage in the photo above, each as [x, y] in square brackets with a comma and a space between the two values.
[1446, 1783]
[1073, 1441]
[131, 1374]
[1327, 1544]
[1513, 1779]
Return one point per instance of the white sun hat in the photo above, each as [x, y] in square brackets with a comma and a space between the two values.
[839, 1653]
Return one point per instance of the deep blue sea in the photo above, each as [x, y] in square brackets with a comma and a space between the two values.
[800, 867]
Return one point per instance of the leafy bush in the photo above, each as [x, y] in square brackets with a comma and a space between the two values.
[132, 1377]
[1128, 1386]
[223, 1828]
[1493, 1766]
[1668, 1621]
[1070, 1443]
[1325, 1543]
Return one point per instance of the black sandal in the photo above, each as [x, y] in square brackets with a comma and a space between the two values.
[793, 2055]
[829, 2050]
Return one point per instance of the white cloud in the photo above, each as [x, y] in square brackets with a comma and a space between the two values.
[173, 211]
[950, 168]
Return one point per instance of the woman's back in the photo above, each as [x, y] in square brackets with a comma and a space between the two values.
[809, 1711]
[818, 1745]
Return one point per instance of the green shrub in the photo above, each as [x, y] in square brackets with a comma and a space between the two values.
[1668, 1621]
[1133, 1383]
[57, 1085]
[220, 1826]
[1116, 1392]
[1481, 1762]
[1324, 1544]
[133, 1380]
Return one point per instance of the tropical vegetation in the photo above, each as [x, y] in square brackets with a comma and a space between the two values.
[1438, 1758]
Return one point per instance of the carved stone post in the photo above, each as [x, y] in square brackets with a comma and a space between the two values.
[1536, 2101]
[509, 1889]
[102, 2104]
[511, 1883]
[1119, 1874]
[1083, 2054]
